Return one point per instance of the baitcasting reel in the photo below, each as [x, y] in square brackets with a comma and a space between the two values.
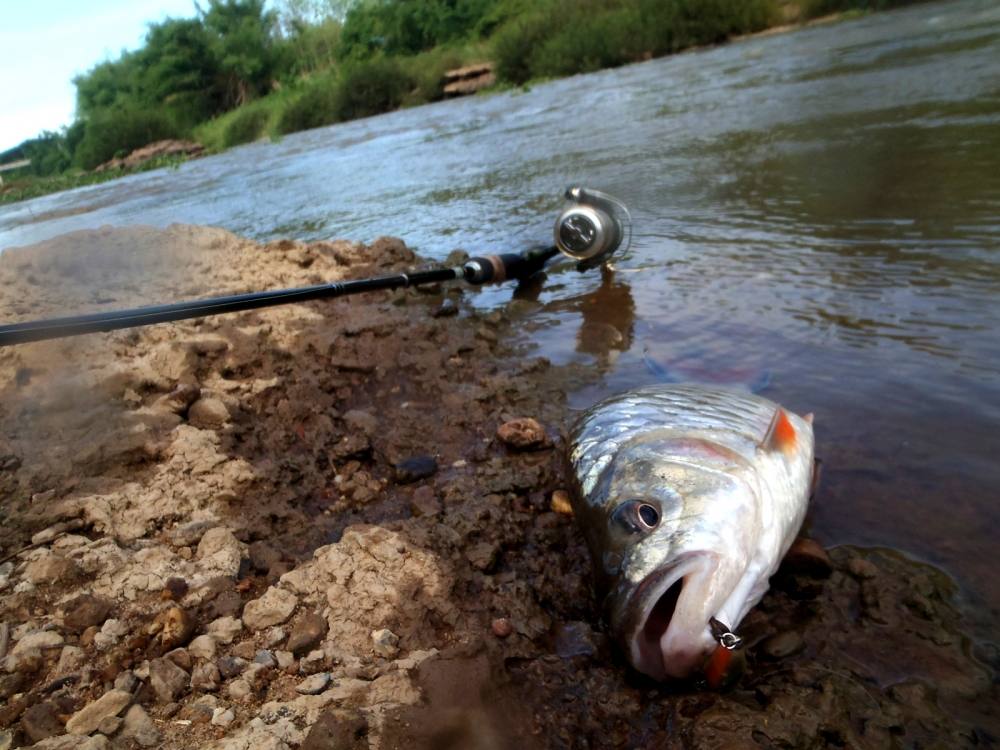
[593, 227]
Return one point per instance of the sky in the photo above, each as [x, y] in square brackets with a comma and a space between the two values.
[44, 43]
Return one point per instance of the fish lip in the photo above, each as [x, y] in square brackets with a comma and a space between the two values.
[635, 608]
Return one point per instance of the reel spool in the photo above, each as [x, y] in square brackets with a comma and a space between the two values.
[592, 228]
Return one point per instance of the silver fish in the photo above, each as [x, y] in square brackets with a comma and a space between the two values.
[688, 497]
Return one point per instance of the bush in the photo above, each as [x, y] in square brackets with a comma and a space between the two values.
[247, 124]
[514, 43]
[119, 131]
[590, 40]
[372, 87]
[315, 106]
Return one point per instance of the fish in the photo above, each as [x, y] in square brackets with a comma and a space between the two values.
[688, 497]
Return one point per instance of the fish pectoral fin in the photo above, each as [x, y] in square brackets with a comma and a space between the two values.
[780, 435]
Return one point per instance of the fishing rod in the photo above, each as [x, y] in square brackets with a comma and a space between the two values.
[590, 229]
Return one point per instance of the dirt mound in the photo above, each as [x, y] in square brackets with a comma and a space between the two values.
[297, 527]
[140, 156]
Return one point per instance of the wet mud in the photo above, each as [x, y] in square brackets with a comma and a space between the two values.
[333, 525]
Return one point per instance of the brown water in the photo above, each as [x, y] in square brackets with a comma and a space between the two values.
[822, 205]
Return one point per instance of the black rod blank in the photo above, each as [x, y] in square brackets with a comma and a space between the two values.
[54, 328]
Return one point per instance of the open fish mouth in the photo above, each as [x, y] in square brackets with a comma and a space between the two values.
[669, 634]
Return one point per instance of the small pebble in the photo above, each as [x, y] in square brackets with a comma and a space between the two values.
[502, 627]
[523, 433]
[223, 717]
[561, 503]
[315, 684]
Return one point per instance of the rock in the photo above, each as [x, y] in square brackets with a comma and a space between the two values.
[502, 627]
[85, 611]
[263, 556]
[220, 549]
[51, 569]
[88, 718]
[313, 685]
[203, 647]
[246, 650]
[33, 644]
[223, 717]
[265, 658]
[361, 421]
[312, 662]
[175, 588]
[206, 677]
[424, 502]
[861, 568]
[239, 690]
[168, 681]
[806, 556]
[385, 643]
[783, 644]
[274, 636]
[523, 434]
[230, 666]
[575, 639]
[189, 534]
[285, 659]
[73, 742]
[126, 681]
[139, 727]
[340, 729]
[70, 660]
[6, 740]
[41, 721]
[273, 608]
[446, 309]
[173, 627]
[415, 468]
[208, 413]
[110, 633]
[560, 503]
[180, 657]
[307, 631]
[180, 399]
[109, 725]
[482, 555]
[225, 629]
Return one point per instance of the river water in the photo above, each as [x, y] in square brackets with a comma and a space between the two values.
[821, 208]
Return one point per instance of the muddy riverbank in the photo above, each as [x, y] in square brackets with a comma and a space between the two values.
[299, 528]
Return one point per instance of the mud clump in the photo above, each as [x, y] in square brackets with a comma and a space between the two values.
[335, 523]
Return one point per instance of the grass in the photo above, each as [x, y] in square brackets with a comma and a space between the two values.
[29, 186]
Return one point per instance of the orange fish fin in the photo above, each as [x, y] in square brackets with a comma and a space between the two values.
[781, 434]
[717, 667]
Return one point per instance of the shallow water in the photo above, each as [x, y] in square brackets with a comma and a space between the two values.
[822, 206]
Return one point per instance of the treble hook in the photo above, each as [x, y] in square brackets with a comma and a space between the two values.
[724, 635]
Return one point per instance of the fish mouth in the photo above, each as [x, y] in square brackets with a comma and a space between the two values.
[669, 637]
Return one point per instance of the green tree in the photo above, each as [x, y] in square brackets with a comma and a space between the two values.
[242, 36]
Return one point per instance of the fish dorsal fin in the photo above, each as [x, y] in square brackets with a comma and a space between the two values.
[781, 435]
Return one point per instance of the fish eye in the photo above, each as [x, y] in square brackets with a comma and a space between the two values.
[636, 516]
[649, 515]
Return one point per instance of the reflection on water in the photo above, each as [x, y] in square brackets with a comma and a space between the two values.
[823, 206]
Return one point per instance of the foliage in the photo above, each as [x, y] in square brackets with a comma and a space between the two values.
[118, 131]
[248, 124]
[815, 8]
[562, 37]
[241, 69]
[313, 107]
[406, 27]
